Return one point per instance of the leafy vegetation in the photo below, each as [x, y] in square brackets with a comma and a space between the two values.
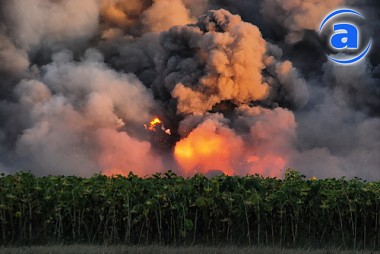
[169, 209]
[123, 249]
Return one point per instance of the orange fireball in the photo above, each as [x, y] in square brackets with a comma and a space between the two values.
[153, 125]
[209, 147]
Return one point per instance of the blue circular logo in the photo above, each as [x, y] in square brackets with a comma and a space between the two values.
[346, 41]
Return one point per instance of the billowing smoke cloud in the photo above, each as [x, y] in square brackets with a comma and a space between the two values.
[115, 86]
[137, 17]
[225, 64]
[258, 141]
[164, 14]
[14, 60]
[75, 118]
[39, 23]
[296, 16]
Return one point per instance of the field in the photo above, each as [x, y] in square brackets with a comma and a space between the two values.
[167, 209]
[83, 249]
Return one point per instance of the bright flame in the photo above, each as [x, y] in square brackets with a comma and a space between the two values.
[153, 125]
[209, 147]
[155, 121]
[213, 146]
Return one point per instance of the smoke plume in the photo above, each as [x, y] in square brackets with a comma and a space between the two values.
[203, 86]
[297, 16]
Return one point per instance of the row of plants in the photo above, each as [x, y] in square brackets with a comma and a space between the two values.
[170, 209]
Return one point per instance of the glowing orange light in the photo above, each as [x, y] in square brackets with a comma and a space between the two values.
[153, 126]
[266, 164]
[155, 121]
[208, 147]
[114, 172]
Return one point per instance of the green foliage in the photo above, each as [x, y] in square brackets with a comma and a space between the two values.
[169, 209]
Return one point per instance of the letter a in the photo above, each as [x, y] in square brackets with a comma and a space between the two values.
[348, 38]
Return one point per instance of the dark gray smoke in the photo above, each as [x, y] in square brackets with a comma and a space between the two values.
[239, 86]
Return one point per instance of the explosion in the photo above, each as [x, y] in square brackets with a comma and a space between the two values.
[115, 86]
[153, 125]
[209, 147]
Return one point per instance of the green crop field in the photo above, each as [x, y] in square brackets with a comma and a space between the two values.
[123, 249]
[167, 209]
